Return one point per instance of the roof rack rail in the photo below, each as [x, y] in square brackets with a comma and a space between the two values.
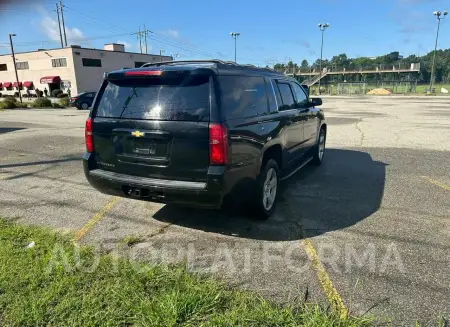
[214, 61]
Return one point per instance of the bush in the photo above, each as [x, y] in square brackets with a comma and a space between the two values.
[42, 103]
[8, 103]
[56, 92]
[64, 102]
[62, 95]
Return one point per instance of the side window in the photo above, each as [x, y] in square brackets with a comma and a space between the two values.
[273, 101]
[243, 96]
[286, 96]
[300, 97]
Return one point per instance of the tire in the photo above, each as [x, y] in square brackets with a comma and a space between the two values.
[268, 186]
[84, 105]
[319, 148]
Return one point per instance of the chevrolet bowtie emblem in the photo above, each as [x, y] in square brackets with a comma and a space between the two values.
[137, 133]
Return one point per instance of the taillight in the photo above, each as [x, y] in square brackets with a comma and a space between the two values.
[144, 73]
[73, 99]
[89, 136]
[218, 144]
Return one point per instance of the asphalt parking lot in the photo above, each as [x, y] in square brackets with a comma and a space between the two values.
[368, 231]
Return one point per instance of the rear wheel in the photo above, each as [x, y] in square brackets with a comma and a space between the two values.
[267, 190]
[319, 149]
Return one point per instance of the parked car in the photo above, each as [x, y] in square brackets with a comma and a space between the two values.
[83, 100]
[199, 132]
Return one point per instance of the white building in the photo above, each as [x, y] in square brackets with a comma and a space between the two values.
[75, 68]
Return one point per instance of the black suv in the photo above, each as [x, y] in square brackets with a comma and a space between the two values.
[197, 132]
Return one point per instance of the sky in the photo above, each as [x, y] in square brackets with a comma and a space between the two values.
[270, 31]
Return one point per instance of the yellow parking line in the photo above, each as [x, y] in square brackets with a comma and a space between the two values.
[335, 299]
[437, 183]
[94, 220]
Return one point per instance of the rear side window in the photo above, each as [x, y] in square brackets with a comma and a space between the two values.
[286, 96]
[185, 97]
[243, 96]
[273, 106]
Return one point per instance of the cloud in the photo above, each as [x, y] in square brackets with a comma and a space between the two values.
[50, 28]
[410, 2]
[171, 33]
[128, 45]
[303, 43]
[257, 48]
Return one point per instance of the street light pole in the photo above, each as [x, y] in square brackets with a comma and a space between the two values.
[439, 15]
[14, 63]
[322, 28]
[160, 54]
[235, 35]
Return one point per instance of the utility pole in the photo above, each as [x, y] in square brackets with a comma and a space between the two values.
[61, 6]
[59, 26]
[140, 38]
[439, 15]
[160, 54]
[143, 35]
[322, 28]
[145, 39]
[14, 63]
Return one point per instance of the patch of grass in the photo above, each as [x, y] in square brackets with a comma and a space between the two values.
[423, 88]
[46, 285]
[131, 240]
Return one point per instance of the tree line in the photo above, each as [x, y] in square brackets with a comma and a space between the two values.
[390, 59]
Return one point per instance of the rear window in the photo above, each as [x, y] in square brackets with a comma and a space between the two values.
[185, 97]
[243, 96]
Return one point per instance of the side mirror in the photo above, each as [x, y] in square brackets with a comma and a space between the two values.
[316, 101]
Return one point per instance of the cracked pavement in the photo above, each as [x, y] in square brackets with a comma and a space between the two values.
[378, 223]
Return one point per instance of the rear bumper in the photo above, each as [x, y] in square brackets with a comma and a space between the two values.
[197, 194]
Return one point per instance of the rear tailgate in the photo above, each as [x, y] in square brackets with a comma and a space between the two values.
[154, 126]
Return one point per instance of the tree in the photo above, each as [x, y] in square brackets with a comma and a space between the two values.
[339, 60]
[390, 59]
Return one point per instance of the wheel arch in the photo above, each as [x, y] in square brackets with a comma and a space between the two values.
[275, 152]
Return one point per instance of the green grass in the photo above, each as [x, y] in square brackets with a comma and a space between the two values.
[422, 88]
[36, 291]
[131, 240]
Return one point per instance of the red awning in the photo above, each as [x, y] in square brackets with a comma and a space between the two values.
[28, 84]
[7, 84]
[50, 79]
[17, 85]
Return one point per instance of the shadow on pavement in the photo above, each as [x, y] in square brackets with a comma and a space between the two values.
[346, 189]
[4, 130]
[42, 162]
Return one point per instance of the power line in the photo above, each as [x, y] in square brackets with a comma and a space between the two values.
[23, 44]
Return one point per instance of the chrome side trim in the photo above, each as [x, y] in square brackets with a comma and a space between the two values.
[296, 169]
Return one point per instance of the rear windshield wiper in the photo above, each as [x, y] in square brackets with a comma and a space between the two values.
[127, 101]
